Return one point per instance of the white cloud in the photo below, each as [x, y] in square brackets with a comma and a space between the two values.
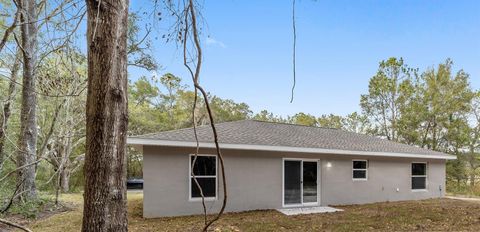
[212, 41]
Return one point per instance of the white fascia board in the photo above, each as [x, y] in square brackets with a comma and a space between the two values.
[155, 142]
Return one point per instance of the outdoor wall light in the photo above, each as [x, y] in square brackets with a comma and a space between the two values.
[329, 164]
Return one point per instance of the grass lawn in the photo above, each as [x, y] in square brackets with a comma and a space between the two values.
[431, 215]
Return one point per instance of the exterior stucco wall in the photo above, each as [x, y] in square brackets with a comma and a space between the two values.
[254, 180]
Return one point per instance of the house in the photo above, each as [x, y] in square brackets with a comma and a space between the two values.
[276, 165]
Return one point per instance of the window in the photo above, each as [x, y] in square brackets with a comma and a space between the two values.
[205, 171]
[419, 176]
[360, 169]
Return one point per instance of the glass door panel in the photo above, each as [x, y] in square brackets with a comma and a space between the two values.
[309, 182]
[292, 182]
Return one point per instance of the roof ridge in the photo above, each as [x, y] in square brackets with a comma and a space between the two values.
[293, 124]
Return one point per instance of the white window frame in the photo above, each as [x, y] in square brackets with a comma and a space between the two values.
[360, 169]
[190, 177]
[426, 177]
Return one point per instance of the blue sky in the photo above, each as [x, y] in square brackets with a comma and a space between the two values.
[339, 45]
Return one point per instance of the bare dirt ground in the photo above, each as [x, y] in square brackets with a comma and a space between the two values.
[426, 215]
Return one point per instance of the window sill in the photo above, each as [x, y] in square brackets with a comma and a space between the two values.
[419, 190]
[360, 179]
[199, 199]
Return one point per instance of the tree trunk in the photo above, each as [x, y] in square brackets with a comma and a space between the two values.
[472, 180]
[7, 105]
[27, 142]
[105, 207]
[65, 179]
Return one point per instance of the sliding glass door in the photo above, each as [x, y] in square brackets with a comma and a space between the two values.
[300, 182]
[292, 182]
[309, 182]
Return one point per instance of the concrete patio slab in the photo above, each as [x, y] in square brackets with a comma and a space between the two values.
[308, 210]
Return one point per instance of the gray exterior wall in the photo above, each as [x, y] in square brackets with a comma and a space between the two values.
[254, 180]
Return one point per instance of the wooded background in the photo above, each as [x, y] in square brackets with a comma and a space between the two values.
[44, 78]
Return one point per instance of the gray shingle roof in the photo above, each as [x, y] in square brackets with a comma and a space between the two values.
[252, 132]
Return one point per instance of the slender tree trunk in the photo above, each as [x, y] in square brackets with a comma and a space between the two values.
[65, 170]
[105, 207]
[65, 179]
[5, 116]
[27, 143]
[472, 179]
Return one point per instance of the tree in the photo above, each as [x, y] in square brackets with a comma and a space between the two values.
[447, 99]
[62, 120]
[6, 13]
[353, 122]
[266, 116]
[331, 121]
[144, 109]
[106, 117]
[27, 141]
[143, 92]
[472, 155]
[7, 105]
[456, 171]
[386, 94]
[357, 123]
[139, 47]
[172, 84]
[303, 119]
[226, 110]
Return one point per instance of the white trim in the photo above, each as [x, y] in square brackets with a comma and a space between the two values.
[301, 160]
[141, 141]
[360, 169]
[196, 199]
[426, 177]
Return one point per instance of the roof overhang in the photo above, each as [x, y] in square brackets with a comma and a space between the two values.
[169, 143]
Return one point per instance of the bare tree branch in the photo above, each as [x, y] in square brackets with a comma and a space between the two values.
[19, 168]
[185, 63]
[294, 50]
[9, 30]
[14, 225]
[190, 11]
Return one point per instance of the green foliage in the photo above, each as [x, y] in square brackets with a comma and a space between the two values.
[357, 123]
[331, 121]
[432, 110]
[226, 110]
[29, 209]
[448, 99]
[139, 46]
[456, 170]
[142, 92]
[25, 209]
[303, 119]
[428, 110]
[6, 13]
[165, 104]
[266, 116]
[134, 163]
[388, 91]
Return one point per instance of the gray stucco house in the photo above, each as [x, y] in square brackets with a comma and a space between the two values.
[276, 165]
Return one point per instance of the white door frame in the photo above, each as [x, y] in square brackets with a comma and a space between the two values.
[301, 182]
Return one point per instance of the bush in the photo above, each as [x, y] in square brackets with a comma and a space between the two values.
[29, 209]
[462, 188]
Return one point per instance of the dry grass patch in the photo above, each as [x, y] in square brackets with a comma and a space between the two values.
[431, 215]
